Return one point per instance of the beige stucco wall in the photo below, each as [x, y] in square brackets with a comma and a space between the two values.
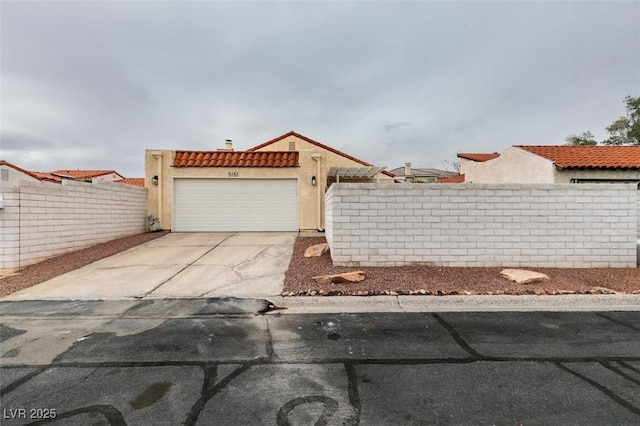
[314, 161]
[513, 166]
[111, 177]
[16, 175]
[516, 165]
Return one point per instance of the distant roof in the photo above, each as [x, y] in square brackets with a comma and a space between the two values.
[478, 156]
[451, 179]
[588, 157]
[415, 171]
[47, 177]
[319, 145]
[83, 174]
[236, 159]
[132, 181]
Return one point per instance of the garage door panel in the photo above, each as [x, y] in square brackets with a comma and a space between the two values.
[202, 205]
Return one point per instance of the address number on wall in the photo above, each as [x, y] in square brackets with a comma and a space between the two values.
[233, 174]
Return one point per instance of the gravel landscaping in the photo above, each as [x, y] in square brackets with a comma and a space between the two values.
[428, 280]
[417, 280]
[51, 268]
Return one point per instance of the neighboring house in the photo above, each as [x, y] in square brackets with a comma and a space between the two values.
[88, 175]
[10, 173]
[554, 164]
[132, 181]
[278, 185]
[420, 175]
[452, 179]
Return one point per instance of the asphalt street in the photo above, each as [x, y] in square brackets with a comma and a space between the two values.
[239, 362]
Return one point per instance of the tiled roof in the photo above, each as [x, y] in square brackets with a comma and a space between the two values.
[451, 179]
[236, 159]
[47, 177]
[132, 181]
[478, 156]
[83, 174]
[588, 157]
[319, 145]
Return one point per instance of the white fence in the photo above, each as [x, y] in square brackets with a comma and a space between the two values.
[543, 225]
[41, 220]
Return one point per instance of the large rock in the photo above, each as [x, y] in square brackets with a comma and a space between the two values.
[347, 277]
[316, 250]
[522, 276]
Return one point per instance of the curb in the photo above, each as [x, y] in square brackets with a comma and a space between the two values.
[556, 303]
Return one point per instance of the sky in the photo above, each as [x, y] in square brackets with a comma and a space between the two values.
[92, 84]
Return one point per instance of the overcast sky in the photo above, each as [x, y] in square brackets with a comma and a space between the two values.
[93, 84]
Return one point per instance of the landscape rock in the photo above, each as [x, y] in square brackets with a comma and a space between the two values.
[316, 250]
[347, 277]
[522, 276]
[605, 290]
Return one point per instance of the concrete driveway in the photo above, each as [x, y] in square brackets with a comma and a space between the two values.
[179, 265]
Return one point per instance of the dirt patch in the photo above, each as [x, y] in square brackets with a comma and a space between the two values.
[428, 280]
[51, 268]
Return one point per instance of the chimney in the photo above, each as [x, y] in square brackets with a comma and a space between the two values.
[228, 146]
[407, 169]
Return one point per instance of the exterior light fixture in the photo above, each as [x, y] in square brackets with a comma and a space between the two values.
[155, 180]
[313, 181]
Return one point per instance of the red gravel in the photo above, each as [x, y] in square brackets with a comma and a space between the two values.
[447, 280]
[51, 268]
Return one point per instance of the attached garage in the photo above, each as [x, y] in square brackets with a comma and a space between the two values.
[219, 204]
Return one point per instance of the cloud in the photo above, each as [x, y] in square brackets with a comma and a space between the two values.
[388, 82]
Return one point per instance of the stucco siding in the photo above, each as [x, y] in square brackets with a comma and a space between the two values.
[313, 161]
[513, 166]
[14, 176]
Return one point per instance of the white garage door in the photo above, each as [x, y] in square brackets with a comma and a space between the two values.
[209, 205]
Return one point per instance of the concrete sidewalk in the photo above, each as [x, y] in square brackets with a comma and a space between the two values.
[179, 265]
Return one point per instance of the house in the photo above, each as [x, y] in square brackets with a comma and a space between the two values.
[12, 174]
[278, 185]
[419, 175]
[553, 164]
[104, 175]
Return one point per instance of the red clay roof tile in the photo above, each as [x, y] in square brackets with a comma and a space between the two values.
[478, 156]
[236, 159]
[132, 181]
[47, 177]
[451, 179]
[588, 157]
[83, 174]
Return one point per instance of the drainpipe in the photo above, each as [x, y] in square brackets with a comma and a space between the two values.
[317, 158]
[159, 157]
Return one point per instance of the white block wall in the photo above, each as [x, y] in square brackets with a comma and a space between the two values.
[41, 220]
[542, 225]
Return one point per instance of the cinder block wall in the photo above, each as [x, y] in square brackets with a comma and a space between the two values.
[542, 225]
[41, 220]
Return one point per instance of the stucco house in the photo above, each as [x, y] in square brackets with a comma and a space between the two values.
[278, 185]
[77, 174]
[12, 174]
[553, 164]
